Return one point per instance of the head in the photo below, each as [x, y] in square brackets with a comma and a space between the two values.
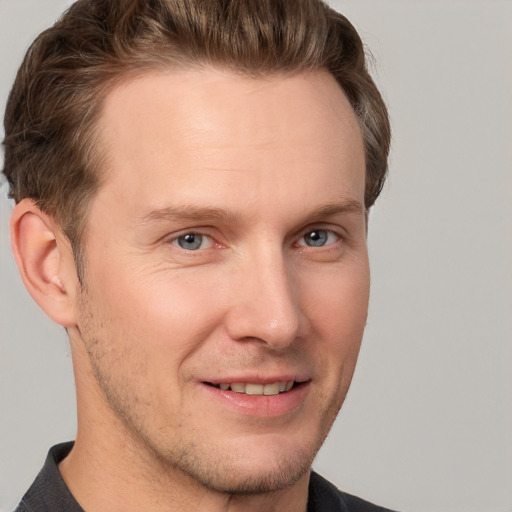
[211, 165]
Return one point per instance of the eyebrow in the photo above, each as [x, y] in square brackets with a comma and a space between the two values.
[344, 207]
[188, 212]
[191, 212]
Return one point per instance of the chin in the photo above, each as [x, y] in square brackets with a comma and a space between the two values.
[263, 467]
[242, 479]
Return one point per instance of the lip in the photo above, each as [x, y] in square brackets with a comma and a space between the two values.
[262, 406]
[258, 379]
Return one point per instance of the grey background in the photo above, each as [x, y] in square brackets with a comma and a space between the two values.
[427, 425]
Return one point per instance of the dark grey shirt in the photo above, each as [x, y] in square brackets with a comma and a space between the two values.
[49, 492]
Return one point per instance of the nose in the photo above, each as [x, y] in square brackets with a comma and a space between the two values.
[264, 302]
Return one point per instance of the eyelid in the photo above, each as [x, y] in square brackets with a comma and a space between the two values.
[173, 239]
[338, 231]
[330, 232]
[204, 239]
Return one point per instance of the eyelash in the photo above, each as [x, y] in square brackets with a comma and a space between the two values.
[176, 239]
[331, 237]
[329, 234]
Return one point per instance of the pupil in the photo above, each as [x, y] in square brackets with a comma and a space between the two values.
[190, 241]
[317, 238]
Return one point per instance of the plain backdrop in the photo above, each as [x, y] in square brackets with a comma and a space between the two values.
[427, 425]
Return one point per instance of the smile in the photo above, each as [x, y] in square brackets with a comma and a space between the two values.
[268, 399]
[247, 388]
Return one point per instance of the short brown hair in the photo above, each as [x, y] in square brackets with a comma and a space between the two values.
[50, 142]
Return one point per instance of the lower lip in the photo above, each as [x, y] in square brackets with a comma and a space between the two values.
[269, 406]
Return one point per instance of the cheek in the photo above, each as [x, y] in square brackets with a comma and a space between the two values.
[142, 334]
[338, 299]
[338, 311]
[166, 315]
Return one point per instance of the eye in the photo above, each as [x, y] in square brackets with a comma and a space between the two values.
[193, 241]
[318, 238]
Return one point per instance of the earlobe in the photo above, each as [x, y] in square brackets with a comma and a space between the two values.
[45, 261]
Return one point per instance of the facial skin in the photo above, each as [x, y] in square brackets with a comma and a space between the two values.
[226, 244]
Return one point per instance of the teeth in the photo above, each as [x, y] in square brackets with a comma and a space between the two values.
[248, 388]
[271, 389]
[254, 389]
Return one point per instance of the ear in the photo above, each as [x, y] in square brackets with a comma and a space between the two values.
[45, 261]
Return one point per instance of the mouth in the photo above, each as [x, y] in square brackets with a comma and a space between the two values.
[251, 388]
[260, 398]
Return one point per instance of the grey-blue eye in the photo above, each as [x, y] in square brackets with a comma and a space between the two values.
[318, 238]
[191, 241]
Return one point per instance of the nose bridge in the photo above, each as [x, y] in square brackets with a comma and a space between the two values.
[267, 307]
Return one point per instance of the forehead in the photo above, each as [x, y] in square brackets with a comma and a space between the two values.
[167, 131]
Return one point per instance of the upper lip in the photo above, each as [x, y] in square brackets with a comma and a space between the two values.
[259, 379]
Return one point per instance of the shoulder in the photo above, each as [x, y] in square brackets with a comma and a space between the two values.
[49, 492]
[325, 497]
[22, 508]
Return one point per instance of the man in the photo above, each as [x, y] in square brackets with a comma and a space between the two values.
[192, 183]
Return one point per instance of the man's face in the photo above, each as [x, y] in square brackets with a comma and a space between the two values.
[226, 262]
